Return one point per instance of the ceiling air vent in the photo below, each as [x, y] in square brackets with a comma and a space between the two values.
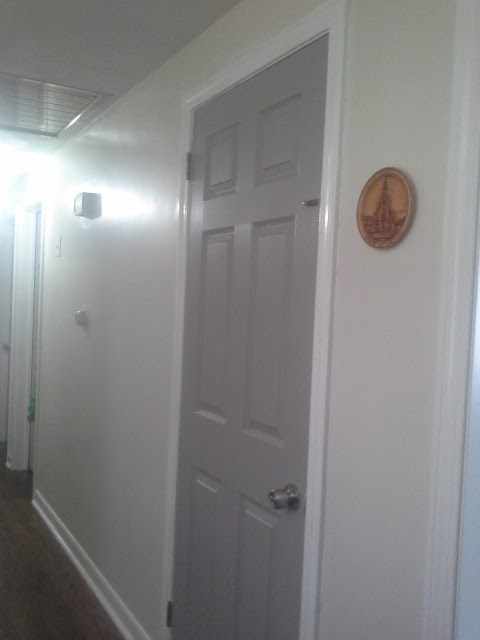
[30, 106]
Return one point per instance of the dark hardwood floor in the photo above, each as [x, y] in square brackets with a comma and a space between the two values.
[42, 595]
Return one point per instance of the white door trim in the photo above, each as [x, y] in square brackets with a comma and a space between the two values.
[36, 433]
[459, 265]
[19, 384]
[7, 231]
[331, 18]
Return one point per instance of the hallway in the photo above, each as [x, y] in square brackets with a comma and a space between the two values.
[42, 596]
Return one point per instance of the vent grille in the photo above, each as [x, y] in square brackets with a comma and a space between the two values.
[30, 106]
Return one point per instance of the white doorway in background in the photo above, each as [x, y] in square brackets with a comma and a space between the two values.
[6, 266]
[23, 335]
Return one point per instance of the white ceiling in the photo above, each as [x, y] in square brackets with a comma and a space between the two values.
[106, 46]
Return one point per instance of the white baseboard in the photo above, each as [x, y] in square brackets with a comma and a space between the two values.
[118, 611]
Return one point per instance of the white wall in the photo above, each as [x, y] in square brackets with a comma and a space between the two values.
[385, 326]
[105, 391]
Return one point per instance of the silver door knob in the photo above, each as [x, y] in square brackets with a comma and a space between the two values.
[286, 498]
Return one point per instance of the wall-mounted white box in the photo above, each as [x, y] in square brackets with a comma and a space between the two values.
[88, 205]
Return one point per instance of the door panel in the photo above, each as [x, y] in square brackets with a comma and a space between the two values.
[252, 252]
[205, 511]
[216, 287]
[277, 146]
[271, 276]
[254, 570]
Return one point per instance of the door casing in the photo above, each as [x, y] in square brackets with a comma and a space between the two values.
[329, 18]
[460, 264]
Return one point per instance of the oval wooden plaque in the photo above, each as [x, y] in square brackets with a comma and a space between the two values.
[384, 208]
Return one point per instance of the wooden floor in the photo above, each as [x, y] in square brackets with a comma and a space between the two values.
[42, 596]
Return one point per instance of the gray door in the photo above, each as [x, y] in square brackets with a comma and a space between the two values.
[252, 250]
[6, 266]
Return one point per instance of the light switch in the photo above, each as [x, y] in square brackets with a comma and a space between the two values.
[58, 247]
[81, 318]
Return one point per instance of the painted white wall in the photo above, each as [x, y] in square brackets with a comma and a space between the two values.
[386, 326]
[105, 391]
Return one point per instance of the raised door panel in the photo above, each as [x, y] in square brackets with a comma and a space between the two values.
[269, 306]
[253, 589]
[221, 162]
[203, 541]
[278, 140]
[214, 314]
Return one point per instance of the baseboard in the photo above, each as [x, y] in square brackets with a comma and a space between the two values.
[118, 611]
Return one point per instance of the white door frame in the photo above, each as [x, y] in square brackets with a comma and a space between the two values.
[21, 335]
[457, 307]
[8, 224]
[330, 18]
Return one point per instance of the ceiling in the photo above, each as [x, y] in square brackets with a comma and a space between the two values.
[101, 46]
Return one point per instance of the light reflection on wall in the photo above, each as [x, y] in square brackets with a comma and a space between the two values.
[125, 206]
[40, 182]
[24, 177]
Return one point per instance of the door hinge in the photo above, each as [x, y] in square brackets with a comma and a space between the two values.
[169, 614]
[188, 166]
